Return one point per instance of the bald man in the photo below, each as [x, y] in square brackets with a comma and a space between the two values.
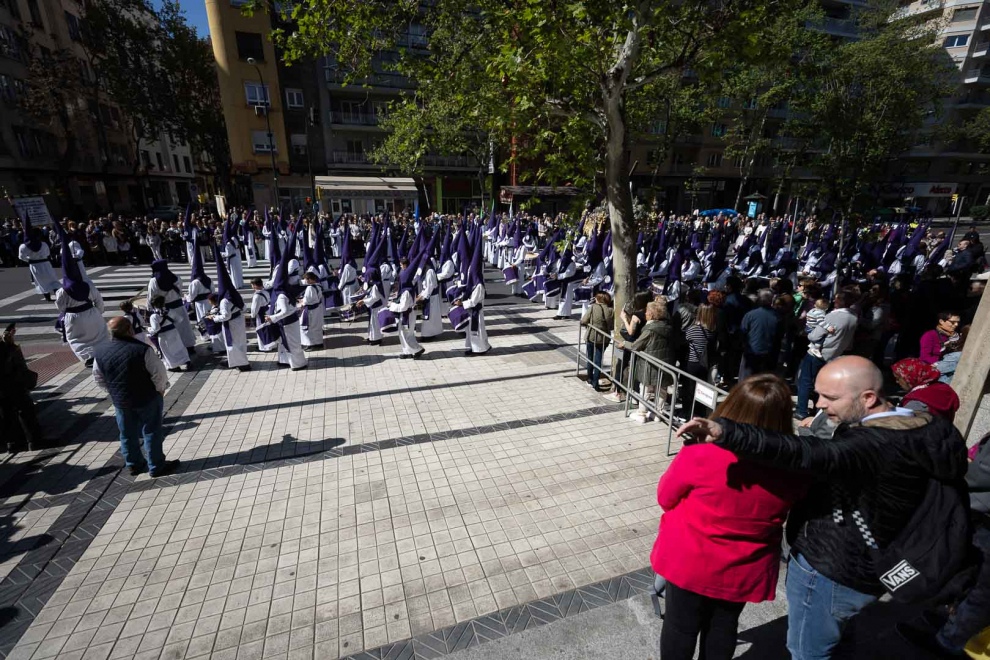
[136, 379]
[874, 471]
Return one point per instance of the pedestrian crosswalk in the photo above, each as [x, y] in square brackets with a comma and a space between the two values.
[35, 318]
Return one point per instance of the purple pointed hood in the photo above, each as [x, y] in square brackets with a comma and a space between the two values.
[72, 280]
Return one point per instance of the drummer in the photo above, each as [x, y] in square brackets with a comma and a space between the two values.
[518, 260]
[213, 330]
[260, 303]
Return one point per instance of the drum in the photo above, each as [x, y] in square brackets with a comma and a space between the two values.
[540, 282]
[388, 321]
[333, 298]
[655, 287]
[511, 274]
[529, 290]
[268, 334]
[454, 292]
[583, 294]
[358, 296]
[459, 318]
[553, 288]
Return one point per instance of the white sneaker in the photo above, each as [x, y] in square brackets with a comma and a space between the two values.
[637, 419]
[612, 396]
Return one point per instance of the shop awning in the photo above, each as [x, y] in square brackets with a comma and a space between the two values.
[367, 187]
[542, 191]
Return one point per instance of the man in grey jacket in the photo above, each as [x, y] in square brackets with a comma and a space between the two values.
[835, 335]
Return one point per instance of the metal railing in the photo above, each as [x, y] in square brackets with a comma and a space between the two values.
[664, 396]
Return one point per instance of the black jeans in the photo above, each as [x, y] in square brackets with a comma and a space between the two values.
[19, 418]
[689, 615]
[595, 356]
[973, 614]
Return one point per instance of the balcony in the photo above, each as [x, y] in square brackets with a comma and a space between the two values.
[980, 50]
[451, 161]
[387, 80]
[839, 27]
[977, 76]
[918, 8]
[974, 101]
[349, 118]
[350, 158]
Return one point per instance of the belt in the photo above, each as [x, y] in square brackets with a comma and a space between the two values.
[314, 305]
[37, 261]
[201, 297]
[80, 308]
[173, 305]
[165, 328]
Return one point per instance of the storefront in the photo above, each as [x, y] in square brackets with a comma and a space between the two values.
[929, 196]
[365, 194]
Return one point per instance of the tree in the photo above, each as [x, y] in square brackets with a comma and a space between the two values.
[552, 82]
[869, 98]
[977, 129]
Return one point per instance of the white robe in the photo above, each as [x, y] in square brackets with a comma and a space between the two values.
[335, 242]
[407, 334]
[348, 282]
[265, 234]
[261, 299]
[237, 348]
[387, 278]
[374, 301]
[476, 341]
[216, 340]
[199, 290]
[429, 287]
[312, 333]
[78, 254]
[567, 299]
[291, 354]
[45, 279]
[155, 243]
[446, 278]
[233, 258]
[85, 331]
[519, 261]
[178, 312]
[250, 250]
[173, 350]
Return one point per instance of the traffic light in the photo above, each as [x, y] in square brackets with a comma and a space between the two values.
[309, 200]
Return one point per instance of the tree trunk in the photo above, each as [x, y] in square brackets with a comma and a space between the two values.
[619, 198]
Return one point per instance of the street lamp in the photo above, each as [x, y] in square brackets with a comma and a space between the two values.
[268, 121]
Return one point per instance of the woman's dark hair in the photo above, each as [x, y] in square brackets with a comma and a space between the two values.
[763, 400]
[126, 306]
[945, 315]
[641, 299]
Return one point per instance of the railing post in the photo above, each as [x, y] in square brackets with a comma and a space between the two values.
[578, 358]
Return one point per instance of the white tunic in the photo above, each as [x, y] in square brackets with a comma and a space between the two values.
[348, 282]
[233, 258]
[476, 341]
[173, 350]
[387, 279]
[265, 233]
[78, 254]
[374, 302]
[250, 251]
[290, 351]
[519, 261]
[429, 288]
[177, 312]
[567, 299]
[261, 299]
[312, 332]
[407, 334]
[45, 279]
[155, 243]
[85, 331]
[237, 346]
[199, 290]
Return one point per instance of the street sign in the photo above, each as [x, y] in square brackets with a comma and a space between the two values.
[193, 189]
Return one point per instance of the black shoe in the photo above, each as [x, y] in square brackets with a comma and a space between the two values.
[168, 468]
[375, 343]
[135, 470]
[14, 447]
[244, 367]
[404, 356]
[88, 363]
[468, 353]
[300, 368]
[417, 354]
[191, 351]
[924, 638]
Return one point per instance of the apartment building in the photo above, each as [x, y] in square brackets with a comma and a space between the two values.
[89, 163]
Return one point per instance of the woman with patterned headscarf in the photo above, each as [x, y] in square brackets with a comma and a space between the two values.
[924, 391]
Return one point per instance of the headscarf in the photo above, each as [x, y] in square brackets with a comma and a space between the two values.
[72, 279]
[165, 278]
[225, 287]
[916, 372]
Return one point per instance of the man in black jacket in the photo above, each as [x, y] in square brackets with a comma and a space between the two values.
[136, 379]
[875, 468]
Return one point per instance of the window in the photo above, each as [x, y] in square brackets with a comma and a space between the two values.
[718, 130]
[964, 15]
[256, 94]
[72, 21]
[715, 159]
[24, 145]
[9, 43]
[185, 161]
[83, 71]
[658, 127]
[249, 44]
[956, 41]
[355, 147]
[724, 102]
[6, 88]
[299, 144]
[175, 161]
[294, 98]
[738, 162]
[35, 13]
[146, 159]
[260, 139]
[161, 163]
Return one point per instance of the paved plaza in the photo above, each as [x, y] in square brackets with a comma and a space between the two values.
[369, 507]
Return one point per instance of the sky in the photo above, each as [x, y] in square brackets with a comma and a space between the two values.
[195, 11]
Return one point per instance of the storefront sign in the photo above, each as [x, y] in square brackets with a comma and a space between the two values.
[924, 189]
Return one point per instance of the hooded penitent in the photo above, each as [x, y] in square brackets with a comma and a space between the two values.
[165, 278]
[225, 286]
[72, 280]
[197, 272]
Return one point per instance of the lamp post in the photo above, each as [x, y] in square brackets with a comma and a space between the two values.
[268, 122]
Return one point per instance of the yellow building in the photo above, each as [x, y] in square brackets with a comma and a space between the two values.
[251, 98]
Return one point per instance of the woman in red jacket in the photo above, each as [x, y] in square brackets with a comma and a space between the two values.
[719, 542]
[924, 391]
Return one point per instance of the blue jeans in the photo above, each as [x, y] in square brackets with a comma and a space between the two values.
[143, 422]
[810, 367]
[595, 355]
[818, 610]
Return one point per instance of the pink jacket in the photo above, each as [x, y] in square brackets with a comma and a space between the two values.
[931, 347]
[723, 520]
